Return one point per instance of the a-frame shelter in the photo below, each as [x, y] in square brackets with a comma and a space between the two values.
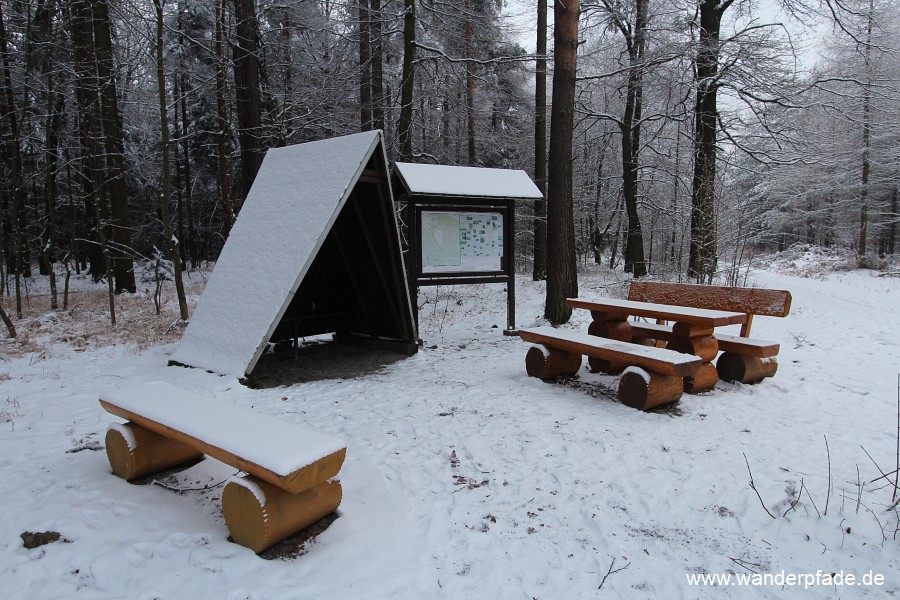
[315, 249]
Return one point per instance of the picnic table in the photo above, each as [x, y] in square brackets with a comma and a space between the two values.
[692, 332]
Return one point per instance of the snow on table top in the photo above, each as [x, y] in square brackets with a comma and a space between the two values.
[444, 180]
[579, 337]
[663, 311]
[292, 205]
[275, 445]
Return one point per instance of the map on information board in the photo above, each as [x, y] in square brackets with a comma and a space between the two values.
[461, 241]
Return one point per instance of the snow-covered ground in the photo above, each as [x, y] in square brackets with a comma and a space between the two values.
[465, 478]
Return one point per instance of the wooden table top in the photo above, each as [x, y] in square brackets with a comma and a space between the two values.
[667, 312]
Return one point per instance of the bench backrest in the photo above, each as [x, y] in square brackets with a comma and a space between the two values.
[751, 301]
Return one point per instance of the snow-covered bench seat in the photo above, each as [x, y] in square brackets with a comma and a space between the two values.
[743, 358]
[290, 469]
[653, 377]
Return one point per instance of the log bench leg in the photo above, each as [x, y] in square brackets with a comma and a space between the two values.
[134, 452]
[259, 514]
[704, 379]
[699, 341]
[644, 390]
[615, 327]
[745, 369]
[546, 363]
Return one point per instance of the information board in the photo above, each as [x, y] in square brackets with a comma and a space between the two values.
[462, 242]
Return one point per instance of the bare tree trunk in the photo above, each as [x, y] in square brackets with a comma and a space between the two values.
[188, 241]
[10, 328]
[111, 121]
[470, 81]
[539, 270]
[867, 140]
[562, 274]
[892, 228]
[365, 59]
[376, 18]
[11, 135]
[287, 81]
[407, 82]
[87, 99]
[631, 140]
[51, 146]
[702, 258]
[172, 243]
[247, 94]
[222, 118]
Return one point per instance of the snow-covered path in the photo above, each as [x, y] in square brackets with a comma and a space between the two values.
[466, 479]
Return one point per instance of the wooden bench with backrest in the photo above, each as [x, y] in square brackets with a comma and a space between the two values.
[654, 377]
[290, 469]
[743, 358]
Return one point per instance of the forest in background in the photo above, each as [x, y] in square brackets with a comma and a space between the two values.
[132, 130]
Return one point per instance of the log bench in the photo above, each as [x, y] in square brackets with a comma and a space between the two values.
[743, 358]
[653, 377]
[289, 469]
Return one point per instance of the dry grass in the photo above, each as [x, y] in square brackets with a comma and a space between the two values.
[85, 324]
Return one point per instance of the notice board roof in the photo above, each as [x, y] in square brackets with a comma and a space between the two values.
[466, 182]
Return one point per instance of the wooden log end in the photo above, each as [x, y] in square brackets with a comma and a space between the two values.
[745, 369]
[704, 379]
[134, 452]
[547, 363]
[259, 514]
[643, 390]
[614, 330]
[312, 474]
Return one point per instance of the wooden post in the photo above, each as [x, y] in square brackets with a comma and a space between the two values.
[134, 451]
[259, 514]
[644, 390]
[699, 341]
[745, 369]
[614, 326]
[547, 363]
[703, 380]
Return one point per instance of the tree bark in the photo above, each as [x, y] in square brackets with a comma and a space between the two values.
[867, 140]
[702, 258]
[404, 126]
[222, 120]
[87, 98]
[562, 276]
[111, 121]
[10, 328]
[55, 107]
[539, 268]
[188, 241]
[891, 246]
[376, 18]
[20, 261]
[470, 80]
[631, 141]
[247, 94]
[172, 243]
[365, 73]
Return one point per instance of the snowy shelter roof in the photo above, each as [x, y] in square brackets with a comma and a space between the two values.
[475, 182]
[315, 249]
